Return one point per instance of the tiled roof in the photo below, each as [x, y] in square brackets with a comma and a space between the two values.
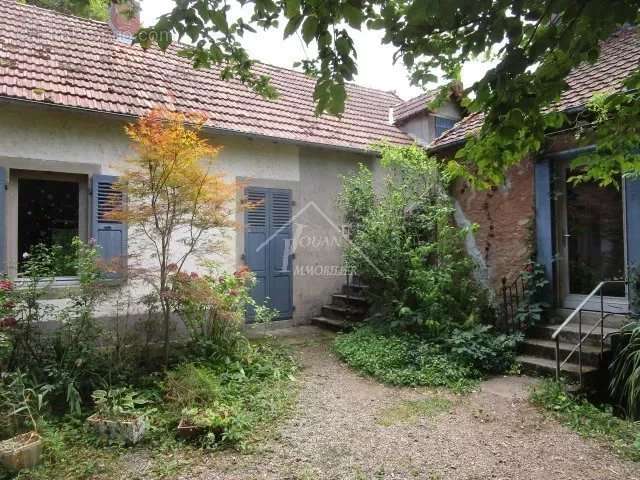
[619, 57]
[405, 110]
[77, 63]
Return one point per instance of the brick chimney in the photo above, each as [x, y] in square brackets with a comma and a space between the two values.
[124, 18]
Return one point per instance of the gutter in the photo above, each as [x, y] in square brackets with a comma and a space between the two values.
[208, 129]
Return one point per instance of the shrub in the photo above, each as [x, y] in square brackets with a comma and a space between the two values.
[625, 369]
[191, 385]
[482, 349]
[406, 247]
[407, 359]
[213, 308]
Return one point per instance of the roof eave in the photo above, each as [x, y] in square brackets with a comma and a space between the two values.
[209, 129]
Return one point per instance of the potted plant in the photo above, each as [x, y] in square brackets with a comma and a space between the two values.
[119, 417]
[20, 407]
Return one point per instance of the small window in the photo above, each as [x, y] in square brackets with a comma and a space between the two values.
[49, 210]
[443, 124]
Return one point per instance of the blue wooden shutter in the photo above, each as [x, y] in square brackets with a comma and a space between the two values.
[632, 200]
[256, 248]
[544, 219]
[280, 261]
[110, 235]
[3, 221]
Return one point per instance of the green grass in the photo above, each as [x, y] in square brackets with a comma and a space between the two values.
[588, 420]
[403, 360]
[262, 389]
[411, 410]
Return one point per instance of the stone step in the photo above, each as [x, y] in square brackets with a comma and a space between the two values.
[343, 313]
[545, 367]
[547, 349]
[354, 289]
[346, 300]
[589, 317]
[331, 324]
[570, 333]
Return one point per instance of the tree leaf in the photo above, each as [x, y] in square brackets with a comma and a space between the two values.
[309, 29]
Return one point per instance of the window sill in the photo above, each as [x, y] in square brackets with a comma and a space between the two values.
[60, 288]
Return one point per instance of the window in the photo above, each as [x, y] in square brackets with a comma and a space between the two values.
[47, 209]
[443, 124]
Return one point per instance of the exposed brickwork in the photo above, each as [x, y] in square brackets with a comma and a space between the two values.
[506, 219]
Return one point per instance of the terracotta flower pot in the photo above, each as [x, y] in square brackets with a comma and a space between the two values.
[125, 431]
[21, 452]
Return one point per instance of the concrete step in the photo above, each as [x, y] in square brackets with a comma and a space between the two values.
[612, 320]
[570, 333]
[345, 300]
[332, 324]
[343, 313]
[545, 367]
[546, 349]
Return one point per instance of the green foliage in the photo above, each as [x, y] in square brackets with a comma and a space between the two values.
[94, 9]
[483, 350]
[405, 359]
[612, 123]
[118, 403]
[213, 307]
[407, 249]
[68, 360]
[625, 369]
[622, 436]
[191, 385]
[532, 306]
[357, 197]
[21, 404]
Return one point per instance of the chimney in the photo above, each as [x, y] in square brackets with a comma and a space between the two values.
[124, 18]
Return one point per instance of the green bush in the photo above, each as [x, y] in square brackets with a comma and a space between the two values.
[406, 247]
[482, 349]
[589, 420]
[407, 359]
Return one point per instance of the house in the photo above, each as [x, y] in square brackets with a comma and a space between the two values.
[582, 234]
[68, 86]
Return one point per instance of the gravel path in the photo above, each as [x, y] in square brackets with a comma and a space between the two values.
[336, 432]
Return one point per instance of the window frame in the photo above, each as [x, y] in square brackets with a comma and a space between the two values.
[14, 176]
[435, 124]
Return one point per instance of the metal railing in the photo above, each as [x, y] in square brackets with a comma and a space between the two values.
[577, 313]
[513, 300]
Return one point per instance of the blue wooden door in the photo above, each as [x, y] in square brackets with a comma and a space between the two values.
[268, 237]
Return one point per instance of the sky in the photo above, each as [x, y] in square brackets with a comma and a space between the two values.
[375, 61]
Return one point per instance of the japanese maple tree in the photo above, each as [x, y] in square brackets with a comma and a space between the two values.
[177, 204]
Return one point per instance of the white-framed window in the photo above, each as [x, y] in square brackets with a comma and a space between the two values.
[47, 208]
[442, 124]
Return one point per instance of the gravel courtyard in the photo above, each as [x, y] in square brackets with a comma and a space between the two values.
[348, 427]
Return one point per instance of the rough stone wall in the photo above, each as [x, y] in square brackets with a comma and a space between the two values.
[505, 219]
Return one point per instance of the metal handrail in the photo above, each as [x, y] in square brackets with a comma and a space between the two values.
[578, 313]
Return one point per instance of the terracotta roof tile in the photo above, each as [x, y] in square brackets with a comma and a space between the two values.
[405, 110]
[78, 63]
[619, 57]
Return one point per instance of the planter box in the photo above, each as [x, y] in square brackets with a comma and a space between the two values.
[125, 431]
[21, 452]
[188, 431]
